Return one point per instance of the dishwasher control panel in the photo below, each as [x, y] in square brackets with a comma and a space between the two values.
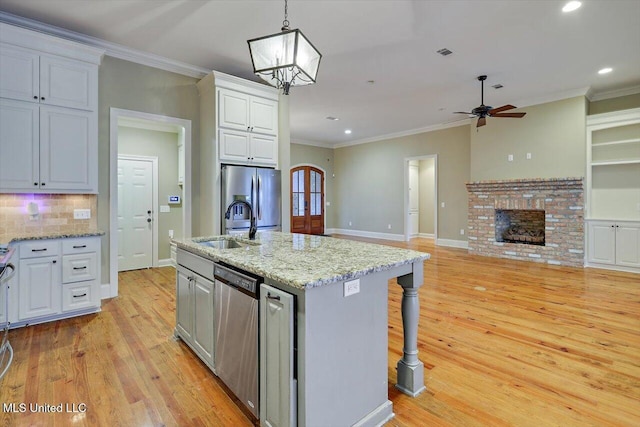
[236, 278]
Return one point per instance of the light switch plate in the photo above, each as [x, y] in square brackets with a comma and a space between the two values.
[165, 209]
[81, 213]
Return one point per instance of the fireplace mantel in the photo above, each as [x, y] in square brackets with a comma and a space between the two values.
[561, 199]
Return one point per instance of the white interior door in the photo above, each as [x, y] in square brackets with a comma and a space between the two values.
[135, 214]
[414, 199]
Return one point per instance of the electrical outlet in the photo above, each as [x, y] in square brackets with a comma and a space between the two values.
[510, 157]
[349, 223]
[82, 214]
[171, 234]
[351, 287]
[442, 205]
[528, 156]
[389, 226]
[462, 231]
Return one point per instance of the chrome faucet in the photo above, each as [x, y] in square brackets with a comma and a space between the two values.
[253, 229]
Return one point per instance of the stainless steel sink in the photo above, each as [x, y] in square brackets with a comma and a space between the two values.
[221, 244]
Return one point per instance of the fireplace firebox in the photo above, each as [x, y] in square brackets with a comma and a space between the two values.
[523, 226]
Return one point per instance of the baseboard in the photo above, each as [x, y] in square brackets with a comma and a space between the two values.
[368, 234]
[612, 267]
[426, 235]
[105, 291]
[462, 244]
[167, 262]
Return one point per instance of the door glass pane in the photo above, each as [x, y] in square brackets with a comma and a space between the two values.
[295, 204]
[295, 182]
[297, 191]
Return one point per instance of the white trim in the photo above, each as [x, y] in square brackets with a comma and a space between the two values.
[426, 235]
[105, 290]
[368, 234]
[312, 143]
[166, 262]
[616, 117]
[463, 244]
[154, 202]
[567, 94]
[612, 267]
[111, 49]
[324, 190]
[432, 128]
[114, 115]
[227, 81]
[131, 122]
[405, 190]
[615, 93]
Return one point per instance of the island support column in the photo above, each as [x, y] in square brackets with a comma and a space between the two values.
[410, 368]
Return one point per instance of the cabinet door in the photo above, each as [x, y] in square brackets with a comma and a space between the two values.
[234, 146]
[602, 242]
[277, 383]
[263, 149]
[263, 116]
[183, 303]
[203, 317]
[19, 146]
[68, 150]
[68, 83]
[628, 244]
[233, 110]
[39, 282]
[19, 75]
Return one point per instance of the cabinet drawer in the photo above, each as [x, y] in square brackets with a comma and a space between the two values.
[78, 268]
[39, 248]
[80, 245]
[195, 263]
[79, 296]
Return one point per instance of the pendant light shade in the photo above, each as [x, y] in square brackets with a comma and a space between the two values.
[285, 59]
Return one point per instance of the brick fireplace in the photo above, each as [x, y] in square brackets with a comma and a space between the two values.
[539, 220]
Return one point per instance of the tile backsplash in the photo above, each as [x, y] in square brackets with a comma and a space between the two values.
[55, 214]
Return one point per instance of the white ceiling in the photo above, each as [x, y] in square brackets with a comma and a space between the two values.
[531, 47]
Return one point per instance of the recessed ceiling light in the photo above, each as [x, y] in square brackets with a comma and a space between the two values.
[571, 6]
[605, 70]
[347, 131]
[332, 118]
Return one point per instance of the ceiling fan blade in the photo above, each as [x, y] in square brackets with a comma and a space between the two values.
[512, 115]
[461, 112]
[503, 108]
[481, 122]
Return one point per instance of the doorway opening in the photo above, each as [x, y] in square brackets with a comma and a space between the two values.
[421, 197]
[307, 200]
[138, 135]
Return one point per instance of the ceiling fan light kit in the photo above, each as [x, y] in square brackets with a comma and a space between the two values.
[484, 111]
[286, 58]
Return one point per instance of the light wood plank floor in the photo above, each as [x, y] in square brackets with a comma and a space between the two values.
[504, 343]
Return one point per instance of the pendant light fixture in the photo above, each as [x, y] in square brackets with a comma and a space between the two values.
[285, 59]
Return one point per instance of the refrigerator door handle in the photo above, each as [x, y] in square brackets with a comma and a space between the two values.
[259, 194]
[254, 195]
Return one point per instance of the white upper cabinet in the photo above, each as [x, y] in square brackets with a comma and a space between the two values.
[48, 113]
[241, 111]
[264, 116]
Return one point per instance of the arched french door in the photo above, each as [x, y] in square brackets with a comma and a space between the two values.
[307, 200]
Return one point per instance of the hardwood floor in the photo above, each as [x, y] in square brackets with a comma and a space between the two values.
[504, 343]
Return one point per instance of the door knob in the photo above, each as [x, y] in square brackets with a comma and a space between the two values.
[148, 219]
[149, 212]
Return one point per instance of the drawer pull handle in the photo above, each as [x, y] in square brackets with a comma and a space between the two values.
[275, 297]
[38, 250]
[80, 268]
[80, 296]
[79, 246]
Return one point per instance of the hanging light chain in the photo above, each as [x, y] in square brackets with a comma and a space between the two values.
[285, 23]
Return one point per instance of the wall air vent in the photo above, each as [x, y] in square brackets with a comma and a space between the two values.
[332, 118]
[444, 51]
[498, 86]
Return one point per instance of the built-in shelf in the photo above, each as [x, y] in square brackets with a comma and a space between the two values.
[616, 162]
[625, 141]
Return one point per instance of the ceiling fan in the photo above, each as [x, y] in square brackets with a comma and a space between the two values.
[484, 111]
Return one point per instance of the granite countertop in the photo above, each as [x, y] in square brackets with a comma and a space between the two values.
[304, 261]
[63, 235]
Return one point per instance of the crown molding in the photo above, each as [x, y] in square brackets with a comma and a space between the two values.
[583, 91]
[111, 49]
[615, 93]
[410, 132]
[312, 143]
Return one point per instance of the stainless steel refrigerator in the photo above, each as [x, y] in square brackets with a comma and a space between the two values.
[261, 188]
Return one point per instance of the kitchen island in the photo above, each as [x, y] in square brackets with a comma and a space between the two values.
[339, 296]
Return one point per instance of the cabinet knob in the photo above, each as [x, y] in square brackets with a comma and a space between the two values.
[54, 261]
[42, 183]
[35, 96]
[35, 183]
[42, 98]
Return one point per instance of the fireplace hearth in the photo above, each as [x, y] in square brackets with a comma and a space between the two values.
[540, 220]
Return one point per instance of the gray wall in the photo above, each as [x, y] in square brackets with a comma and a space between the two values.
[615, 104]
[164, 146]
[427, 196]
[130, 86]
[322, 158]
[369, 181]
[554, 134]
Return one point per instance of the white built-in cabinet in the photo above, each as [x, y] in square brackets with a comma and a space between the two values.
[48, 114]
[613, 190]
[247, 125]
[194, 304]
[56, 279]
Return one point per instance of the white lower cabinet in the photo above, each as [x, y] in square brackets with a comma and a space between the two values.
[56, 278]
[614, 244]
[194, 305]
[277, 382]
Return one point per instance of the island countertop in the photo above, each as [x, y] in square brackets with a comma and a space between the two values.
[304, 261]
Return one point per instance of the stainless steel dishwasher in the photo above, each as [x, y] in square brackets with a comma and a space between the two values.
[236, 334]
